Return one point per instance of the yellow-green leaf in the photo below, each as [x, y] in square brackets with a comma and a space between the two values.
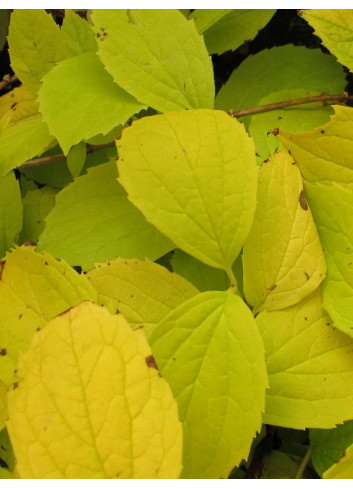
[76, 159]
[10, 212]
[283, 258]
[77, 34]
[193, 174]
[204, 18]
[343, 469]
[22, 104]
[157, 56]
[3, 404]
[335, 29]
[210, 352]
[35, 45]
[34, 288]
[310, 367]
[91, 404]
[142, 291]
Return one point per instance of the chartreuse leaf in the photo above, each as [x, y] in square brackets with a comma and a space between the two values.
[283, 258]
[10, 212]
[34, 288]
[211, 354]
[93, 222]
[34, 137]
[280, 465]
[35, 46]
[202, 276]
[22, 104]
[343, 469]
[157, 56]
[310, 365]
[205, 18]
[3, 404]
[335, 29]
[36, 206]
[285, 66]
[332, 207]
[193, 175]
[81, 91]
[76, 159]
[4, 25]
[328, 446]
[298, 118]
[142, 291]
[233, 29]
[91, 404]
[77, 34]
[325, 154]
[7, 458]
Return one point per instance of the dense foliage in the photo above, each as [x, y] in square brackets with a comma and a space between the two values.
[176, 293]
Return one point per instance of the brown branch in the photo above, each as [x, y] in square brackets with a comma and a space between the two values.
[325, 97]
[51, 159]
[7, 81]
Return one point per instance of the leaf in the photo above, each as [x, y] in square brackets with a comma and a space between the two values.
[343, 468]
[157, 56]
[89, 406]
[4, 24]
[202, 276]
[142, 291]
[35, 46]
[211, 354]
[6, 453]
[298, 118]
[21, 103]
[328, 446]
[235, 28]
[310, 365]
[77, 34]
[325, 154]
[93, 222]
[36, 206]
[193, 175]
[206, 17]
[283, 258]
[34, 289]
[280, 465]
[332, 208]
[335, 29]
[3, 404]
[10, 212]
[80, 90]
[284, 66]
[34, 137]
[76, 159]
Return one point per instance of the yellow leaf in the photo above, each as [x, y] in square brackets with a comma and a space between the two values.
[91, 404]
[142, 291]
[282, 256]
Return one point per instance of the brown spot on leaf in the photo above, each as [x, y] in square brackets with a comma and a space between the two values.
[302, 201]
[20, 316]
[272, 287]
[322, 131]
[307, 275]
[151, 362]
[98, 34]
[343, 454]
[15, 385]
[3, 352]
[306, 318]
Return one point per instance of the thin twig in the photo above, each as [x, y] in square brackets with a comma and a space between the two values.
[304, 463]
[325, 97]
[51, 159]
[7, 81]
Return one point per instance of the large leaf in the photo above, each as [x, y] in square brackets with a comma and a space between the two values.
[34, 288]
[93, 222]
[193, 175]
[210, 352]
[142, 291]
[157, 56]
[90, 406]
[233, 29]
[328, 446]
[10, 212]
[310, 367]
[36, 206]
[335, 29]
[270, 70]
[78, 35]
[297, 118]
[81, 91]
[325, 154]
[35, 45]
[282, 257]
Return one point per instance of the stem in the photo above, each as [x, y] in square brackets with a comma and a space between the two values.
[233, 282]
[7, 81]
[304, 463]
[51, 159]
[325, 97]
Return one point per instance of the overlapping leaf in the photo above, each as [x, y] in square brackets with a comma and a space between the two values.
[157, 56]
[22, 104]
[193, 175]
[310, 367]
[142, 291]
[77, 34]
[210, 352]
[93, 222]
[282, 257]
[81, 91]
[10, 212]
[205, 18]
[36, 206]
[343, 469]
[90, 405]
